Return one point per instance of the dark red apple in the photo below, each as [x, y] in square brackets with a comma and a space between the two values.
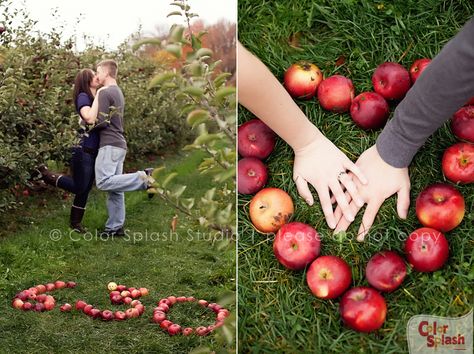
[418, 67]
[80, 305]
[302, 79]
[95, 313]
[253, 175]
[120, 315]
[296, 245]
[328, 277]
[38, 307]
[385, 271]
[165, 324]
[27, 306]
[426, 249]
[391, 80]
[41, 297]
[363, 309]
[116, 299]
[87, 309]
[107, 315]
[70, 284]
[65, 308]
[2, 29]
[49, 305]
[440, 206]
[121, 288]
[159, 316]
[462, 123]
[255, 139]
[369, 110]
[174, 329]
[270, 209]
[336, 93]
[458, 163]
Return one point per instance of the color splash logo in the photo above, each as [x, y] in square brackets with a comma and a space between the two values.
[440, 335]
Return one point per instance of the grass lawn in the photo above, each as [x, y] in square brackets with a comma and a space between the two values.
[188, 264]
[277, 312]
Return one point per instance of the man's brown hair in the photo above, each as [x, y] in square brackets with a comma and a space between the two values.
[111, 66]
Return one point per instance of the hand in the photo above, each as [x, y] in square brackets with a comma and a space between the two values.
[320, 163]
[384, 181]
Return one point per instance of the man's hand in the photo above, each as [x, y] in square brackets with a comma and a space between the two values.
[383, 181]
[323, 165]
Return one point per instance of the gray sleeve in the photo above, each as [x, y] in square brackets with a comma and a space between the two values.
[445, 85]
[103, 119]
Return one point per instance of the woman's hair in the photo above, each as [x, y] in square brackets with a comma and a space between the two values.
[82, 84]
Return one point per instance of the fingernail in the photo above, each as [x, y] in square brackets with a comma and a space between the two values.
[332, 225]
[309, 202]
[350, 217]
[360, 203]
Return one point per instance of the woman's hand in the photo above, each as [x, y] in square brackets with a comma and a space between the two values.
[324, 166]
[384, 181]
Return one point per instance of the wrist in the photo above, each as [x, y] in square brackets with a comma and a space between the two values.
[308, 135]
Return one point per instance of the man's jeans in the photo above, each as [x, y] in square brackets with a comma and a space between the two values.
[109, 178]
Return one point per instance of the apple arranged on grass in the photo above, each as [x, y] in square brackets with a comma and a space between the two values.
[328, 277]
[336, 93]
[369, 110]
[302, 80]
[270, 209]
[385, 271]
[418, 67]
[458, 163]
[296, 245]
[462, 123]
[391, 80]
[440, 206]
[363, 309]
[255, 139]
[426, 249]
[253, 175]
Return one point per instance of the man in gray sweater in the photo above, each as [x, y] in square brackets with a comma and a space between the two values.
[445, 85]
[112, 150]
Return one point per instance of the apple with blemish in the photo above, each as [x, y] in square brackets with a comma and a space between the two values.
[302, 79]
[328, 277]
[385, 271]
[270, 209]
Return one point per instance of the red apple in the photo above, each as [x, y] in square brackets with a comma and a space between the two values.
[440, 206]
[132, 313]
[255, 139]
[253, 175]
[127, 300]
[426, 249]
[23, 295]
[125, 293]
[202, 331]
[385, 271]
[159, 316]
[458, 163]
[363, 309]
[187, 331]
[164, 307]
[328, 277]
[470, 102]
[107, 315]
[172, 300]
[39, 307]
[80, 305]
[49, 305]
[140, 308]
[41, 297]
[418, 67]
[70, 284]
[121, 288]
[203, 303]
[41, 288]
[391, 80]
[27, 306]
[59, 284]
[65, 308]
[116, 299]
[336, 93]
[144, 291]
[17, 304]
[270, 209]
[165, 324]
[296, 245]
[135, 303]
[462, 123]
[95, 313]
[135, 293]
[302, 79]
[181, 299]
[87, 309]
[164, 301]
[120, 315]
[369, 110]
[50, 287]
[190, 298]
[174, 329]
[33, 290]
[114, 293]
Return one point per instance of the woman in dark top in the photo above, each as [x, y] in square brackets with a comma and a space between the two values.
[84, 154]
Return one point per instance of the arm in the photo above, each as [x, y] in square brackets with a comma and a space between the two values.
[89, 113]
[101, 117]
[317, 160]
[445, 85]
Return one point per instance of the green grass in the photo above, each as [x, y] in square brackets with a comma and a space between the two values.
[277, 312]
[184, 265]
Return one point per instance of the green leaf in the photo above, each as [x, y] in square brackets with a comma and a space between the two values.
[174, 13]
[207, 138]
[223, 92]
[161, 78]
[174, 49]
[176, 34]
[220, 79]
[168, 179]
[145, 41]
[221, 177]
[175, 3]
[178, 191]
[195, 42]
[194, 91]
[188, 203]
[204, 52]
[197, 116]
